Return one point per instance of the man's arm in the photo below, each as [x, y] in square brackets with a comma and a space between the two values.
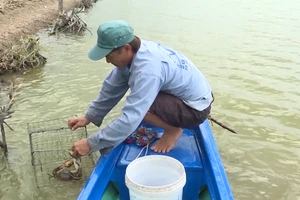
[143, 94]
[113, 89]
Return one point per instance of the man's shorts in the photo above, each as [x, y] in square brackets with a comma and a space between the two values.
[175, 112]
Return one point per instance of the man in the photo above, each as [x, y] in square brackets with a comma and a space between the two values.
[166, 90]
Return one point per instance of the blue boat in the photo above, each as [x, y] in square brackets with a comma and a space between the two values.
[195, 149]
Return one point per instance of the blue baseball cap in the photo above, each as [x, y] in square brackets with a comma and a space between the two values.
[111, 35]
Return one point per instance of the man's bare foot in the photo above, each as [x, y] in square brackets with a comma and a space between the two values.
[167, 141]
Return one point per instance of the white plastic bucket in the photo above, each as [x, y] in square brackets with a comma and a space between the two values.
[155, 177]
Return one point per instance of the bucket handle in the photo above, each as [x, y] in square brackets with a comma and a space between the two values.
[147, 148]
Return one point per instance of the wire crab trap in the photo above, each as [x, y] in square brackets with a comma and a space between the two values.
[50, 144]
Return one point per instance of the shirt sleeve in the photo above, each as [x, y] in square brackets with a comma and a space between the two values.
[143, 93]
[113, 89]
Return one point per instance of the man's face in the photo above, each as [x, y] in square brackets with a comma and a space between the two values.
[119, 57]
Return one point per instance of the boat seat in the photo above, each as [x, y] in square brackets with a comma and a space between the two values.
[186, 151]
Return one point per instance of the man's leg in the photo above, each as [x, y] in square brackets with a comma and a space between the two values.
[170, 113]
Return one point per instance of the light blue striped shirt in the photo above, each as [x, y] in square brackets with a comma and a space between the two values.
[154, 68]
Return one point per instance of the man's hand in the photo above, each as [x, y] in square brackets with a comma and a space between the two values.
[77, 122]
[81, 148]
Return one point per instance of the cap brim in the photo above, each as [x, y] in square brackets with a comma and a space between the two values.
[97, 53]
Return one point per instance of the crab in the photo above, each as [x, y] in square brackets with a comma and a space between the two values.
[142, 137]
[64, 173]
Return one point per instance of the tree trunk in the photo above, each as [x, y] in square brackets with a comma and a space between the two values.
[60, 7]
[3, 143]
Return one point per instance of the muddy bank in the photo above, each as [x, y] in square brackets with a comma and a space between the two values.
[25, 17]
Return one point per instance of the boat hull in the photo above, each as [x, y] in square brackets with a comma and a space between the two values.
[196, 149]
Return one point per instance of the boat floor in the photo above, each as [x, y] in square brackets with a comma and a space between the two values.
[111, 193]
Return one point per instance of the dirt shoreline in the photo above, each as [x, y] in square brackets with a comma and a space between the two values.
[26, 17]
